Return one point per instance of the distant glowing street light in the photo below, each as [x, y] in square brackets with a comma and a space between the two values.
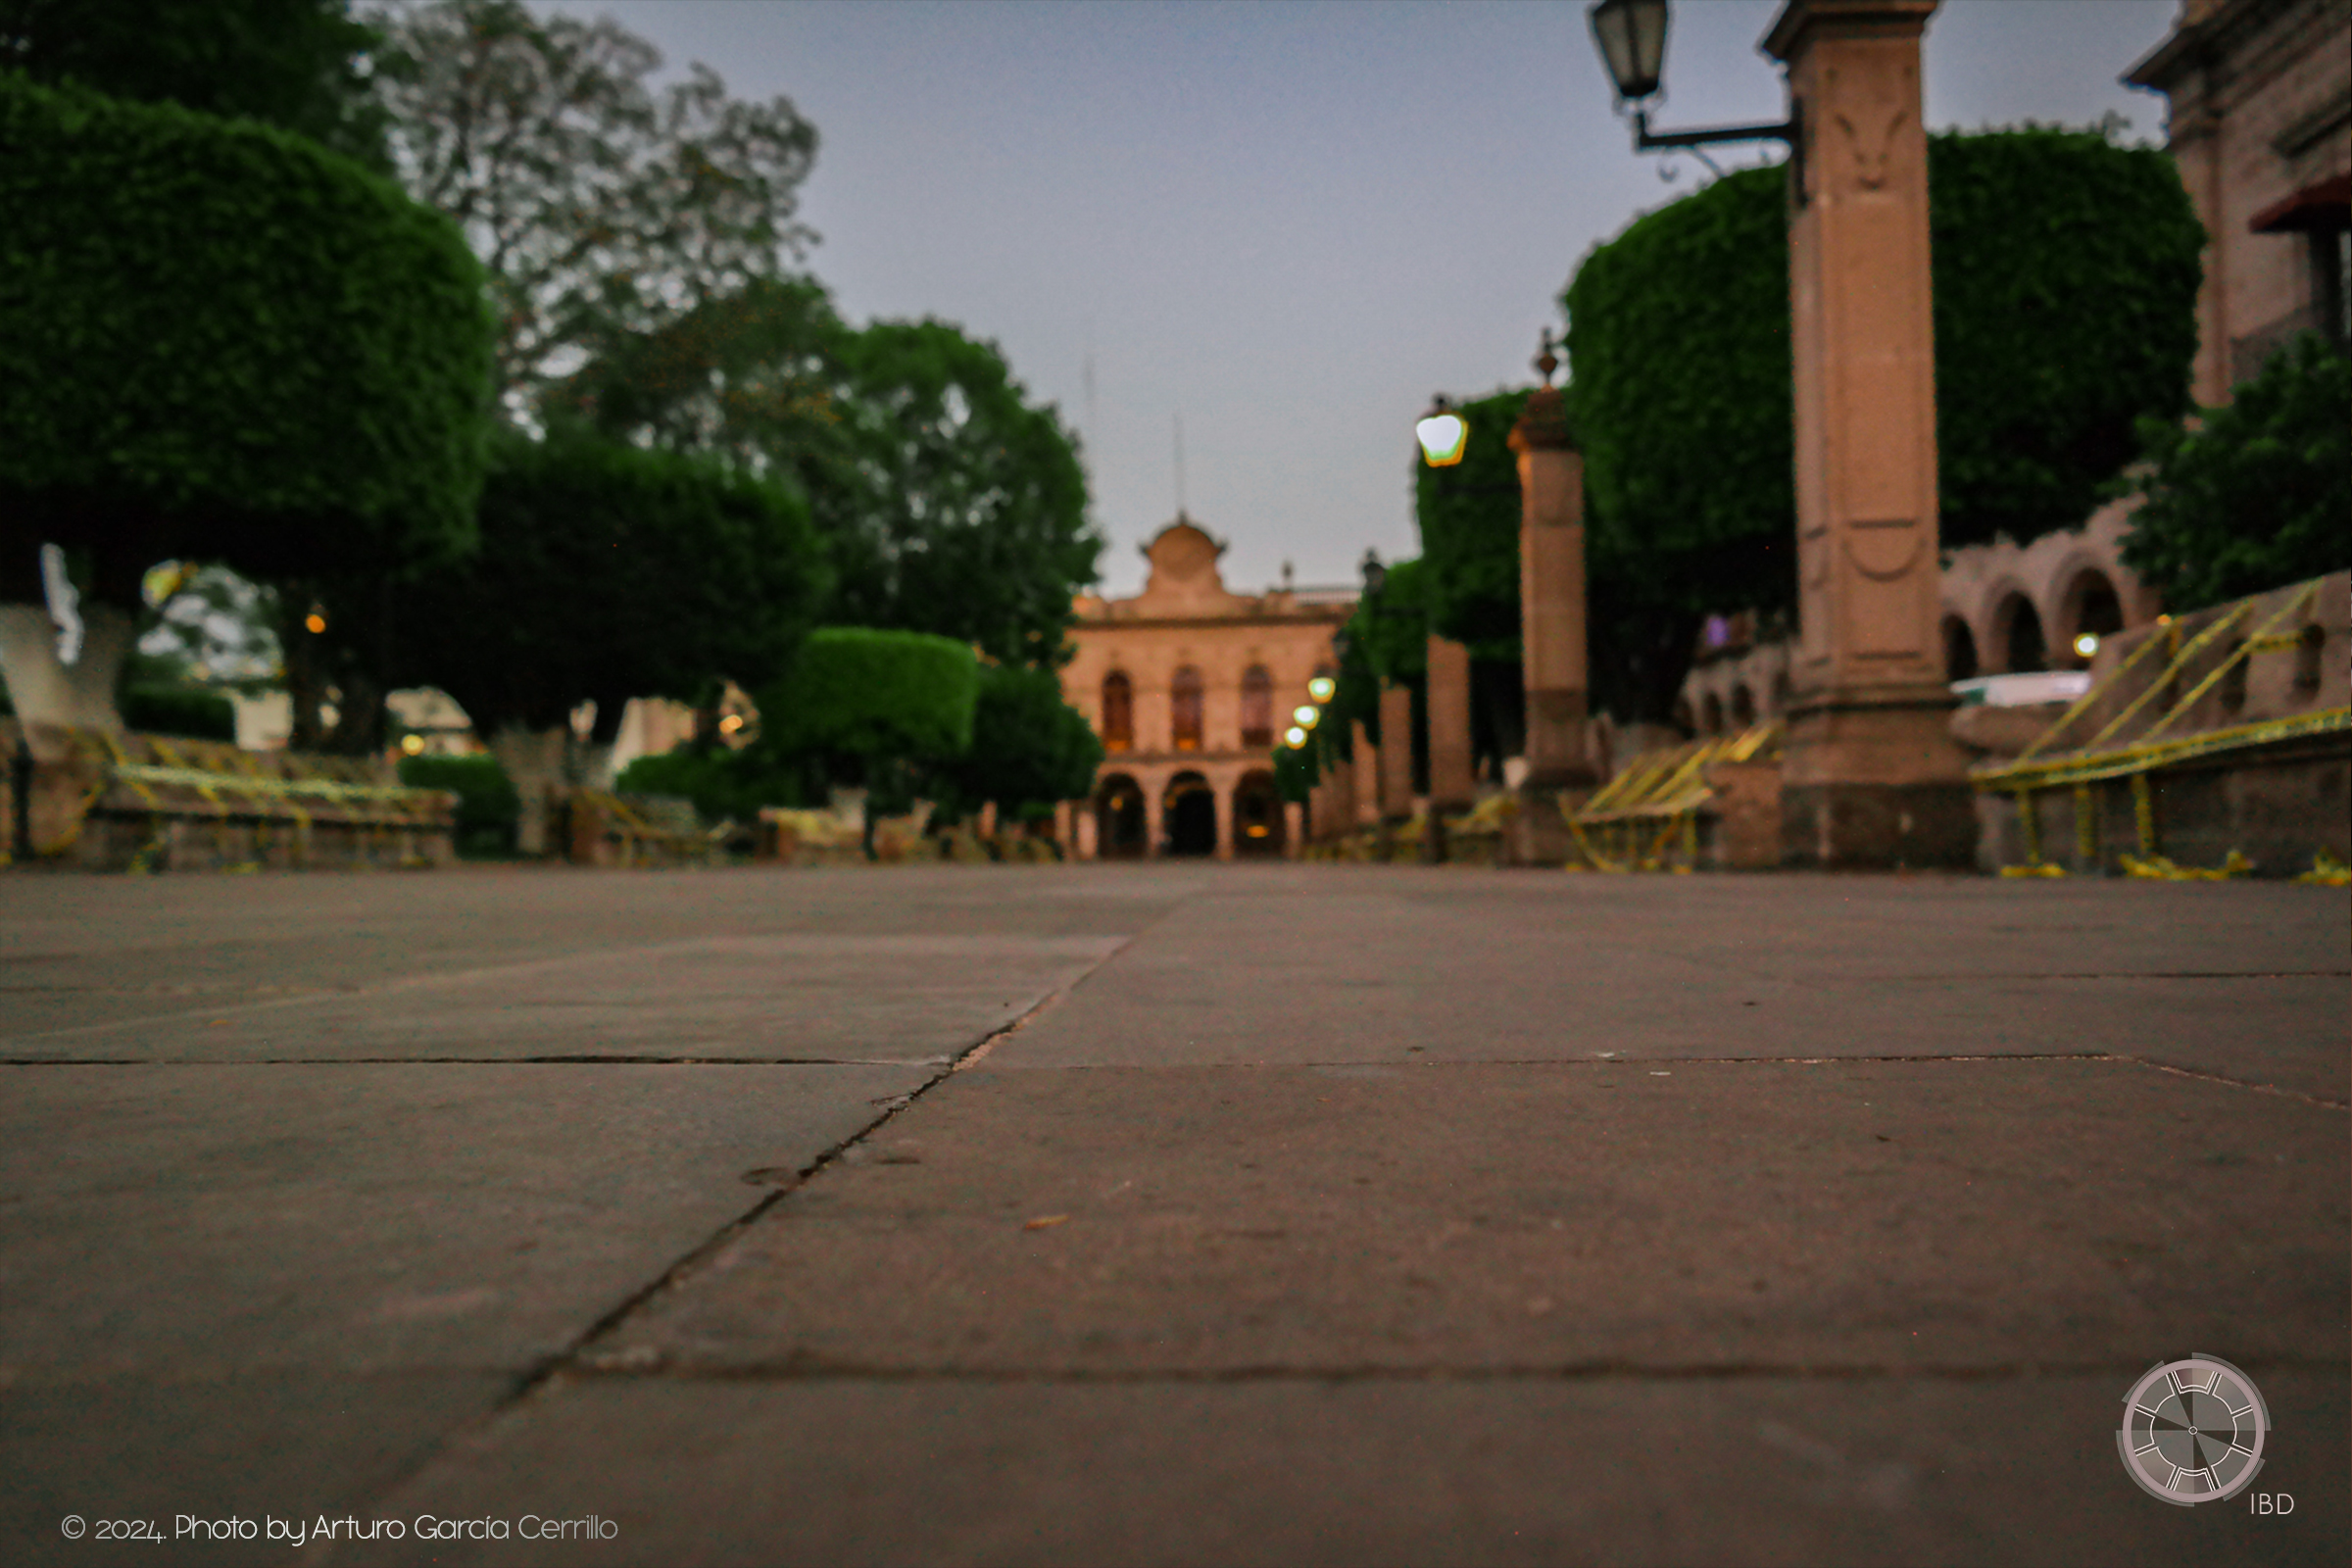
[2087, 644]
[314, 623]
[414, 745]
[1321, 688]
[1304, 715]
[1294, 737]
[1444, 435]
[730, 724]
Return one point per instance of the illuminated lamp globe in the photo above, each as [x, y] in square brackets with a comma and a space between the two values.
[1321, 688]
[2087, 644]
[1304, 716]
[1294, 737]
[1444, 435]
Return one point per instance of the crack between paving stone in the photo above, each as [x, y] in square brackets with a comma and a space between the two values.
[550, 1369]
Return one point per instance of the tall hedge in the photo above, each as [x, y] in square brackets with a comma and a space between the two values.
[851, 692]
[220, 341]
[2066, 270]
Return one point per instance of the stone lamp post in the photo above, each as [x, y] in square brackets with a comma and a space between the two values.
[1871, 774]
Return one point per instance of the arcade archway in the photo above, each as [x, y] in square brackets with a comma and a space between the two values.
[1256, 816]
[1119, 819]
[1189, 815]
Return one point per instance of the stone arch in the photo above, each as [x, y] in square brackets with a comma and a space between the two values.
[2089, 607]
[1683, 720]
[1959, 649]
[1189, 815]
[1187, 712]
[1120, 832]
[1257, 815]
[1257, 708]
[2016, 636]
[1743, 706]
[1118, 712]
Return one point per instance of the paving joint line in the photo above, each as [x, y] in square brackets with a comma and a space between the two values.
[616, 1059]
[640, 1366]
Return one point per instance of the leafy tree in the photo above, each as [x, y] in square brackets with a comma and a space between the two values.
[598, 204]
[606, 572]
[1029, 747]
[221, 343]
[2065, 273]
[724, 785]
[2255, 495]
[949, 502]
[870, 706]
[300, 65]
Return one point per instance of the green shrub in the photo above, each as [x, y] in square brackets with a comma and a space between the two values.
[487, 805]
[723, 785]
[179, 711]
[853, 693]
[2259, 494]
[1029, 748]
[220, 341]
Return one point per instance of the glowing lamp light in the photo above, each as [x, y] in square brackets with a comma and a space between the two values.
[2087, 644]
[1294, 737]
[412, 744]
[731, 723]
[1444, 435]
[314, 623]
[1321, 688]
[1304, 716]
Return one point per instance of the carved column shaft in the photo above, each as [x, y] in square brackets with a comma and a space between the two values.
[1452, 788]
[1396, 751]
[1873, 773]
[1552, 593]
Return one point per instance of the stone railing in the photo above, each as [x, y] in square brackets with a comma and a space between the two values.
[101, 799]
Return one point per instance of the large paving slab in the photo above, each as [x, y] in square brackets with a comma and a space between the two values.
[1302, 1473]
[2245, 982]
[1273, 1214]
[1931, 1215]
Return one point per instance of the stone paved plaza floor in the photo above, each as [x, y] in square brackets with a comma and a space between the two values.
[1173, 1214]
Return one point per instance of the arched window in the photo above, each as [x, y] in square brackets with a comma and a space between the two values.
[1184, 709]
[2022, 642]
[1743, 708]
[1257, 707]
[1959, 650]
[1118, 713]
[2097, 615]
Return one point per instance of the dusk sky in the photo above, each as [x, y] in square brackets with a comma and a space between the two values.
[1289, 224]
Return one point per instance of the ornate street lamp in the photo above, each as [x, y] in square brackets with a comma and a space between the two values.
[1631, 38]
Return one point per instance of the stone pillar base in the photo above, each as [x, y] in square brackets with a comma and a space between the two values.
[1876, 784]
[1538, 834]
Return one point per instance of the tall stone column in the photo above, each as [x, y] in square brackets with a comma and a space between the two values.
[1089, 843]
[1364, 777]
[1220, 791]
[1293, 829]
[1452, 785]
[1871, 774]
[1396, 752]
[1155, 831]
[1552, 626]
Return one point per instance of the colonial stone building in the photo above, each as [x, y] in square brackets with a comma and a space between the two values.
[1191, 685]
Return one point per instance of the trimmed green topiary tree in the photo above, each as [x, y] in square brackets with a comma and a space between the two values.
[1029, 747]
[219, 341]
[871, 706]
[2066, 270]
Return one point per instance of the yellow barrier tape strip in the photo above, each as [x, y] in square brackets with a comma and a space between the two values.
[2086, 767]
[2180, 662]
[2083, 702]
[2227, 665]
